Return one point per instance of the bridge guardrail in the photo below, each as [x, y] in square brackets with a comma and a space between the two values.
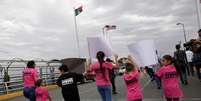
[47, 70]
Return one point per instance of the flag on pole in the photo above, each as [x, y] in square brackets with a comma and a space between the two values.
[78, 10]
[110, 27]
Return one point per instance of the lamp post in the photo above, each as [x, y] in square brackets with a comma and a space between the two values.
[107, 28]
[183, 26]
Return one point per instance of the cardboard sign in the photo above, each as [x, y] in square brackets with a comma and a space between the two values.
[96, 44]
[144, 52]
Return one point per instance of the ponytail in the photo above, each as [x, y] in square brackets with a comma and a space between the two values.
[100, 56]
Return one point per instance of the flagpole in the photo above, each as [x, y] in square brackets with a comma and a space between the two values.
[77, 37]
[198, 7]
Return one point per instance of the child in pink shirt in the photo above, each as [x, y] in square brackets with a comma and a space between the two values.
[131, 78]
[41, 93]
[169, 77]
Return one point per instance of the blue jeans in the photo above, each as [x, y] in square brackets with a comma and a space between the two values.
[29, 93]
[105, 92]
[158, 81]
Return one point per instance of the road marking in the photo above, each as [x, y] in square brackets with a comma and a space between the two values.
[146, 84]
[88, 90]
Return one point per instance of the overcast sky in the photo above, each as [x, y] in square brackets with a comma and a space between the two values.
[45, 28]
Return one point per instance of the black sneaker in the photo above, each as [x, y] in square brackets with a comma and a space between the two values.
[186, 82]
[114, 93]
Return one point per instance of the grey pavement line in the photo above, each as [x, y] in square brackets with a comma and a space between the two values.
[91, 88]
[147, 83]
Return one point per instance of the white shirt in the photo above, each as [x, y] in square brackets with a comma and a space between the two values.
[189, 56]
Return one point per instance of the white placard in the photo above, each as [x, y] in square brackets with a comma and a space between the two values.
[135, 54]
[96, 44]
[144, 52]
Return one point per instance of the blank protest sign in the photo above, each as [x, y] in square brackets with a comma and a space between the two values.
[144, 52]
[96, 44]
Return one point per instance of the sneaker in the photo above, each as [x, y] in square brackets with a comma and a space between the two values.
[114, 93]
[186, 83]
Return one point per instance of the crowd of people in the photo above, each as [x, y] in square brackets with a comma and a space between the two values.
[172, 68]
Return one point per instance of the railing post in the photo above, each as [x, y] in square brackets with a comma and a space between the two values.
[46, 76]
[6, 87]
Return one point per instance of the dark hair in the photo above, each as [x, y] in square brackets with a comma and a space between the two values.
[199, 30]
[64, 68]
[109, 60]
[178, 46]
[129, 67]
[100, 56]
[31, 64]
[39, 82]
[146, 67]
[168, 57]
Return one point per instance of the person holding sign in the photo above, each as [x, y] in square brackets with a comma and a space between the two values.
[131, 78]
[169, 77]
[101, 70]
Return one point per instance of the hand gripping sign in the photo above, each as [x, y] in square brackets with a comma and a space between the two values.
[144, 52]
[96, 44]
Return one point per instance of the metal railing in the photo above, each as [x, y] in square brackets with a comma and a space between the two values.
[47, 70]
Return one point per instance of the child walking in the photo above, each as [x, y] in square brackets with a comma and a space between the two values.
[68, 83]
[169, 77]
[41, 93]
[131, 78]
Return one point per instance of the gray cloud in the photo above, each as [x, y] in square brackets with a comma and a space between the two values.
[45, 28]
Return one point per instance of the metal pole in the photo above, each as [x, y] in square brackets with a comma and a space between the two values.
[197, 3]
[184, 32]
[6, 87]
[103, 29]
[77, 37]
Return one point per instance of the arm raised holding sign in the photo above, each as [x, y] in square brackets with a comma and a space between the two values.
[131, 78]
[131, 60]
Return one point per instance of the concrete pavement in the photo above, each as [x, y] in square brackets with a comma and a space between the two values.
[88, 92]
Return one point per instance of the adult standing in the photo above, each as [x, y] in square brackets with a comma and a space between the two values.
[30, 77]
[181, 64]
[101, 70]
[197, 54]
[113, 74]
[189, 56]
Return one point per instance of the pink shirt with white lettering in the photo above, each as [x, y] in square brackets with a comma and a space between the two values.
[133, 85]
[100, 79]
[170, 83]
[41, 94]
[29, 75]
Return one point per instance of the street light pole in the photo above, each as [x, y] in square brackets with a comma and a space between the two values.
[103, 29]
[108, 27]
[183, 26]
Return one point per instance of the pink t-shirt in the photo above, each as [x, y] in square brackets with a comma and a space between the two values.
[41, 94]
[133, 86]
[170, 83]
[100, 79]
[29, 75]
